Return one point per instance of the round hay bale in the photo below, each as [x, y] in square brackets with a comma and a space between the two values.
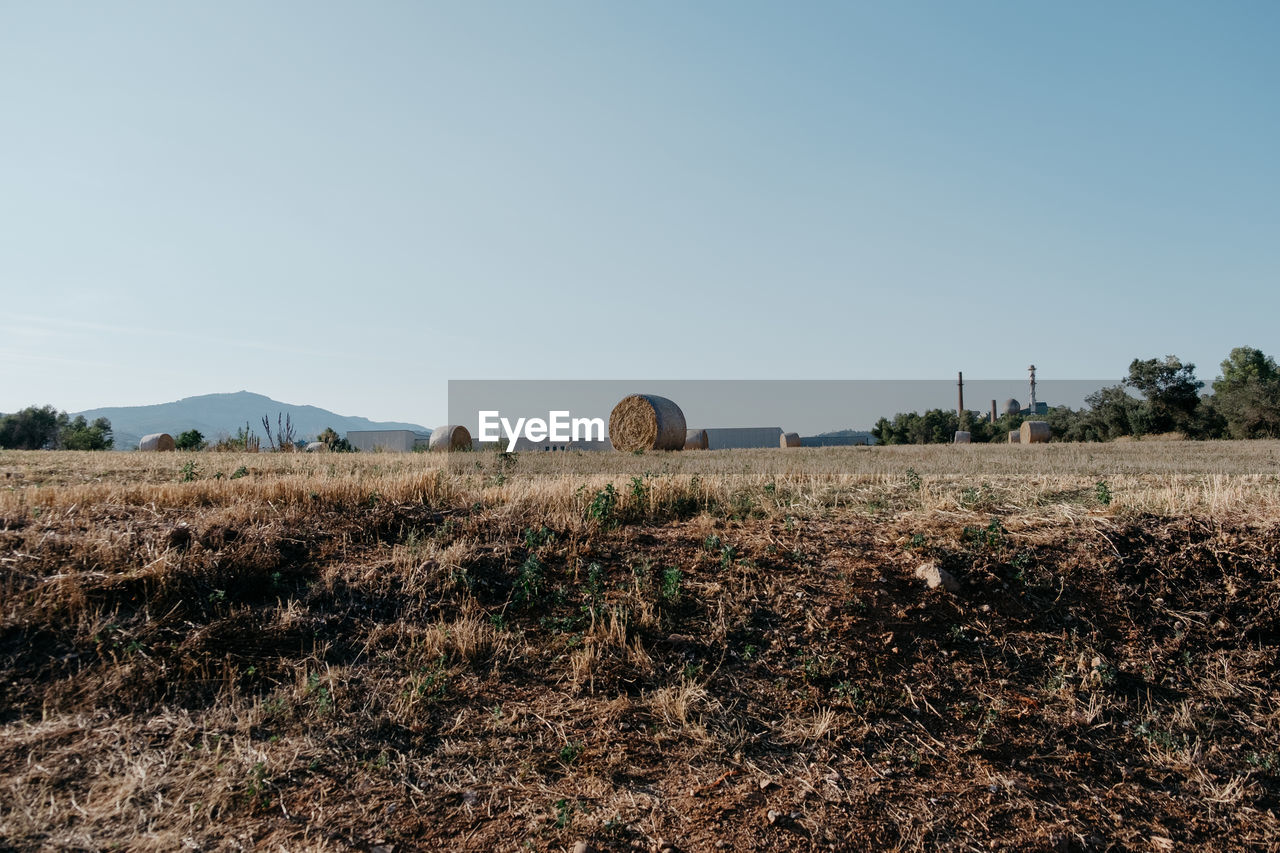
[450, 437]
[696, 439]
[646, 422]
[963, 437]
[1035, 432]
[1012, 407]
[789, 439]
[1015, 436]
[317, 447]
[157, 441]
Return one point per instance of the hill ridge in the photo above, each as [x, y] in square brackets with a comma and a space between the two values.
[220, 414]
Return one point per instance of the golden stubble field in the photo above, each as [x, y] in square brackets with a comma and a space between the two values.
[694, 651]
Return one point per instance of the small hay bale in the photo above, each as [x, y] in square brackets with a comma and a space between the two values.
[646, 422]
[157, 441]
[1015, 436]
[1035, 432]
[789, 439]
[449, 437]
[696, 439]
[962, 437]
[317, 447]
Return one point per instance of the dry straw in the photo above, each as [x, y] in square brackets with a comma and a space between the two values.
[647, 422]
[1035, 432]
[696, 439]
[450, 437]
[157, 441]
[789, 439]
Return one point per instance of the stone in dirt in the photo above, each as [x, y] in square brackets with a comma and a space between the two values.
[935, 577]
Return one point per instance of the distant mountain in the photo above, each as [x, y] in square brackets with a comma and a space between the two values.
[218, 415]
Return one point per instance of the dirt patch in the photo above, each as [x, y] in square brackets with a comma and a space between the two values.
[405, 678]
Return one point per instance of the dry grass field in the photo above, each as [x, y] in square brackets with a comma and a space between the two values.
[686, 651]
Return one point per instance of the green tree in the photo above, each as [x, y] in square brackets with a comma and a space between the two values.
[1171, 390]
[192, 439]
[334, 442]
[1113, 413]
[936, 426]
[45, 428]
[30, 429]
[78, 434]
[1247, 394]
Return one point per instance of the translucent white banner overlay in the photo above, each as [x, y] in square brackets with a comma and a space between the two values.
[805, 406]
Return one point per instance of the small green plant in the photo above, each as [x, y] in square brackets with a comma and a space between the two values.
[432, 683]
[671, 580]
[749, 651]
[240, 472]
[318, 689]
[991, 536]
[913, 480]
[256, 787]
[711, 543]
[537, 538]
[594, 590]
[1102, 492]
[601, 508]
[850, 691]
[529, 580]
[639, 491]
[564, 808]
[190, 470]
[727, 555]
[570, 752]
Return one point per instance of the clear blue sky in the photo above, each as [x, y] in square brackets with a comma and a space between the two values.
[349, 204]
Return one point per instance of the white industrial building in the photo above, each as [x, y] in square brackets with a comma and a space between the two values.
[388, 440]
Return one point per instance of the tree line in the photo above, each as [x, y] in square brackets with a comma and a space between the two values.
[46, 428]
[1245, 403]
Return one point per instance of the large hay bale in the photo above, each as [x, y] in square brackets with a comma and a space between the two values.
[157, 441]
[450, 437]
[1035, 432]
[646, 422]
[696, 439]
[963, 437]
[1015, 436]
[317, 447]
[789, 439]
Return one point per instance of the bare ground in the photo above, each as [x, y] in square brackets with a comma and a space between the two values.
[425, 675]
